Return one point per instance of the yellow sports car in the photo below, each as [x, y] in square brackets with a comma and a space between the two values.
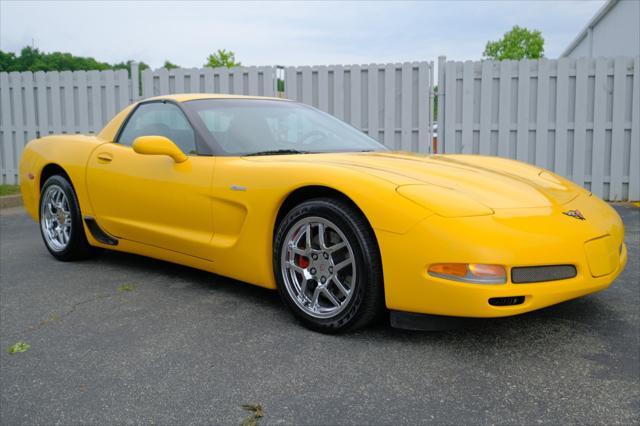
[281, 195]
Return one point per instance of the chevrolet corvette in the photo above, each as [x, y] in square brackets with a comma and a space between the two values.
[281, 195]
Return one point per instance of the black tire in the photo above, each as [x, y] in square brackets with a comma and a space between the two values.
[77, 247]
[367, 302]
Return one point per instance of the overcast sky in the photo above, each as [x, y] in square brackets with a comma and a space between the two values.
[299, 33]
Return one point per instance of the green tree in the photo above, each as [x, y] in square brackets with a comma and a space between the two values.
[519, 43]
[170, 65]
[222, 58]
[32, 59]
[127, 66]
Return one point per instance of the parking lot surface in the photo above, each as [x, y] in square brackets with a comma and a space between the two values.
[122, 339]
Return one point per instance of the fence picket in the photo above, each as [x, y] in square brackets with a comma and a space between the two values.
[238, 81]
[449, 144]
[29, 106]
[467, 108]
[8, 165]
[356, 93]
[504, 109]
[522, 138]
[562, 107]
[208, 80]
[425, 103]
[83, 103]
[599, 112]
[542, 113]
[617, 129]
[291, 83]
[68, 110]
[147, 84]
[338, 92]
[56, 106]
[43, 110]
[373, 109]
[634, 157]
[253, 81]
[323, 94]
[485, 107]
[95, 101]
[389, 106]
[15, 82]
[580, 122]
[405, 108]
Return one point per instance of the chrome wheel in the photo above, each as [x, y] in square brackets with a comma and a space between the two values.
[55, 218]
[318, 267]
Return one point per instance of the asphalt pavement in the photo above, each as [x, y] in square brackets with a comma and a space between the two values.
[122, 339]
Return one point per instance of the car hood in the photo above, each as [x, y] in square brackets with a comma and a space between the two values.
[497, 183]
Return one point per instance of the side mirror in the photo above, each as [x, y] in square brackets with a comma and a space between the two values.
[158, 145]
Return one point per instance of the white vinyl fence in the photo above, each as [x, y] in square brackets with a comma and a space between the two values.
[577, 117]
[254, 81]
[390, 102]
[42, 103]
[580, 118]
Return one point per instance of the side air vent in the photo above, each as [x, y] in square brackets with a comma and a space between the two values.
[98, 233]
[537, 274]
[506, 301]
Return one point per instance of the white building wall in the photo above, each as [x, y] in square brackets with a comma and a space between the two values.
[617, 33]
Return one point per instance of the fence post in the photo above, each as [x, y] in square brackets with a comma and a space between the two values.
[440, 141]
[135, 82]
[433, 143]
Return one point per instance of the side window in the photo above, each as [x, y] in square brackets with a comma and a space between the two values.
[162, 119]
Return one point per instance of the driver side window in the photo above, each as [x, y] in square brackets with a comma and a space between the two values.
[160, 119]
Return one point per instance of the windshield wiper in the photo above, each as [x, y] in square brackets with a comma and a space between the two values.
[277, 152]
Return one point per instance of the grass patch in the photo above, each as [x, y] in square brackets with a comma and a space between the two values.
[19, 347]
[122, 288]
[9, 190]
[256, 414]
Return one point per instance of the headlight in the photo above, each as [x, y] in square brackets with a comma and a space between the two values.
[443, 201]
[478, 273]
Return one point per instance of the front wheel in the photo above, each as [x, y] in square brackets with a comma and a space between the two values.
[61, 221]
[327, 266]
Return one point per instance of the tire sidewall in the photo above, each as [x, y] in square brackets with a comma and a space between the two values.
[342, 218]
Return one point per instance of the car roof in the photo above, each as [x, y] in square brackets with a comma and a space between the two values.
[184, 97]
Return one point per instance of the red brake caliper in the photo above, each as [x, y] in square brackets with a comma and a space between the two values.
[303, 262]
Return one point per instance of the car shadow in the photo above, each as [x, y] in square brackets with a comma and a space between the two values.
[586, 312]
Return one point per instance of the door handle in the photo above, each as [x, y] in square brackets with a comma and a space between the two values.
[105, 157]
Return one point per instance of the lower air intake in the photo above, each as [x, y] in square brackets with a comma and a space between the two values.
[506, 301]
[537, 274]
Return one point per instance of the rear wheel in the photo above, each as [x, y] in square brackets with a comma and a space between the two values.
[327, 265]
[61, 221]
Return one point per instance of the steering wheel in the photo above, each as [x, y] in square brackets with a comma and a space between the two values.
[306, 138]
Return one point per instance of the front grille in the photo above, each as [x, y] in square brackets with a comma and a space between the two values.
[506, 301]
[536, 274]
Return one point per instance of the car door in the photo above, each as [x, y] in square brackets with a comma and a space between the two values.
[151, 199]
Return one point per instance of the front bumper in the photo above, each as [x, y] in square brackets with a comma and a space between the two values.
[514, 238]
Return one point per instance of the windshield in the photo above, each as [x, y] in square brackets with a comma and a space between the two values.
[263, 127]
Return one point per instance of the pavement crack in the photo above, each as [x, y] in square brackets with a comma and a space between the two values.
[55, 318]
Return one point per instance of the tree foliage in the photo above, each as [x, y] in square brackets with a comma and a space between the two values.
[32, 59]
[170, 65]
[222, 58]
[518, 43]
